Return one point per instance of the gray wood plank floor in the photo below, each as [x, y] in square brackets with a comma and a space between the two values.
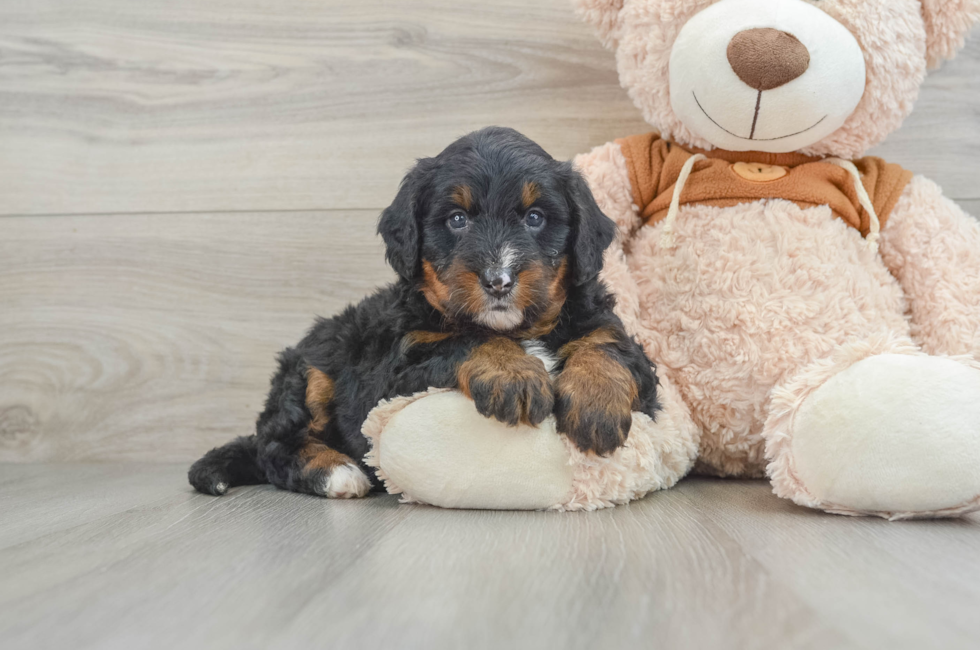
[127, 556]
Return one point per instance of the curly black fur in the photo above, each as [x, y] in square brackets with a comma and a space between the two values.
[421, 330]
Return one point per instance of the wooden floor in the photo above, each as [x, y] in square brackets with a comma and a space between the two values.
[127, 556]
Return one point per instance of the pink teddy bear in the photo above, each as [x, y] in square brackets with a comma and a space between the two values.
[816, 313]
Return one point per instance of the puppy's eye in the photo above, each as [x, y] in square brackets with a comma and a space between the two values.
[534, 220]
[457, 221]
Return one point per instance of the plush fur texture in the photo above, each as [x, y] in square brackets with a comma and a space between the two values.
[443, 462]
[605, 170]
[947, 24]
[657, 455]
[748, 295]
[752, 308]
[496, 245]
[931, 246]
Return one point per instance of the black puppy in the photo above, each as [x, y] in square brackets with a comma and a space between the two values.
[498, 247]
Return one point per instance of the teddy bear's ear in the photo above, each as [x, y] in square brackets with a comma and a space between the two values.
[947, 24]
[603, 15]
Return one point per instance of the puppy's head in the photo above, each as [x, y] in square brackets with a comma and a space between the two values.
[493, 230]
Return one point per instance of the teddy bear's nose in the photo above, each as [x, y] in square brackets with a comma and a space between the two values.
[766, 58]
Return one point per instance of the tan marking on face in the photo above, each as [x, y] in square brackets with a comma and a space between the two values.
[319, 392]
[556, 300]
[435, 291]
[530, 193]
[531, 286]
[463, 196]
[467, 287]
[318, 456]
[459, 291]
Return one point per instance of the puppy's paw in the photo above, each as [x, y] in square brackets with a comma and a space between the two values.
[328, 473]
[520, 392]
[600, 429]
[346, 481]
[594, 406]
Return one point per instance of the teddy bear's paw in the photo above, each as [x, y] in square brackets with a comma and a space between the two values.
[894, 435]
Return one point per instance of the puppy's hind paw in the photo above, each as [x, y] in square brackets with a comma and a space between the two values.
[346, 481]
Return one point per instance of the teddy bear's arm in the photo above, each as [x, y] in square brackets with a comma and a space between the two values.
[933, 248]
[605, 170]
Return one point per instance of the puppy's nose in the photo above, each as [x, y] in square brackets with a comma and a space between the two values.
[766, 58]
[497, 282]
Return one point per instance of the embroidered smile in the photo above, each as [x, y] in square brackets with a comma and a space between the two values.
[755, 120]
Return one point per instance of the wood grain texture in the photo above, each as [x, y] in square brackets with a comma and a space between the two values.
[110, 106]
[142, 323]
[212, 105]
[152, 337]
[127, 556]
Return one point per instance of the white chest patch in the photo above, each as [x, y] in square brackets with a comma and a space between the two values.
[536, 348]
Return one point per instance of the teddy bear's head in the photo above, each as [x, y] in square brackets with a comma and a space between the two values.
[823, 77]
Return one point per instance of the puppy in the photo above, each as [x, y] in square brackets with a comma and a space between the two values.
[498, 248]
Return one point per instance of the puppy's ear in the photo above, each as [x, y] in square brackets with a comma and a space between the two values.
[947, 24]
[399, 225]
[592, 231]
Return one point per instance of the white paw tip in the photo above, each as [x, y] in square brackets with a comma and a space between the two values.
[347, 482]
[221, 488]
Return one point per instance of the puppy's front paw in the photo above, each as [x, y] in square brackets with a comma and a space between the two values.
[594, 409]
[598, 428]
[513, 388]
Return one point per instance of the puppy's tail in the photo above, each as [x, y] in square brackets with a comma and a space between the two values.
[235, 463]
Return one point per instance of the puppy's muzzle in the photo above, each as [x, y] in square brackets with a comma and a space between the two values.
[497, 282]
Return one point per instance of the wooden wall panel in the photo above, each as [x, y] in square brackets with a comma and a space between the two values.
[153, 336]
[110, 106]
[184, 183]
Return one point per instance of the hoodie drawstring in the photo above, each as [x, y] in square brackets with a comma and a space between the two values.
[667, 236]
[874, 231]
[667, 239]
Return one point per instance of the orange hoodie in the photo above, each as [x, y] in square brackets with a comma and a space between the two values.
[729, 178]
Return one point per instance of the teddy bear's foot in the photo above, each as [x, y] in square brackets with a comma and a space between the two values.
[892, 435]
[435, 447]
[441, 450]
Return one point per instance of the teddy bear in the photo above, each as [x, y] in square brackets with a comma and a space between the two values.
[813, 312]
